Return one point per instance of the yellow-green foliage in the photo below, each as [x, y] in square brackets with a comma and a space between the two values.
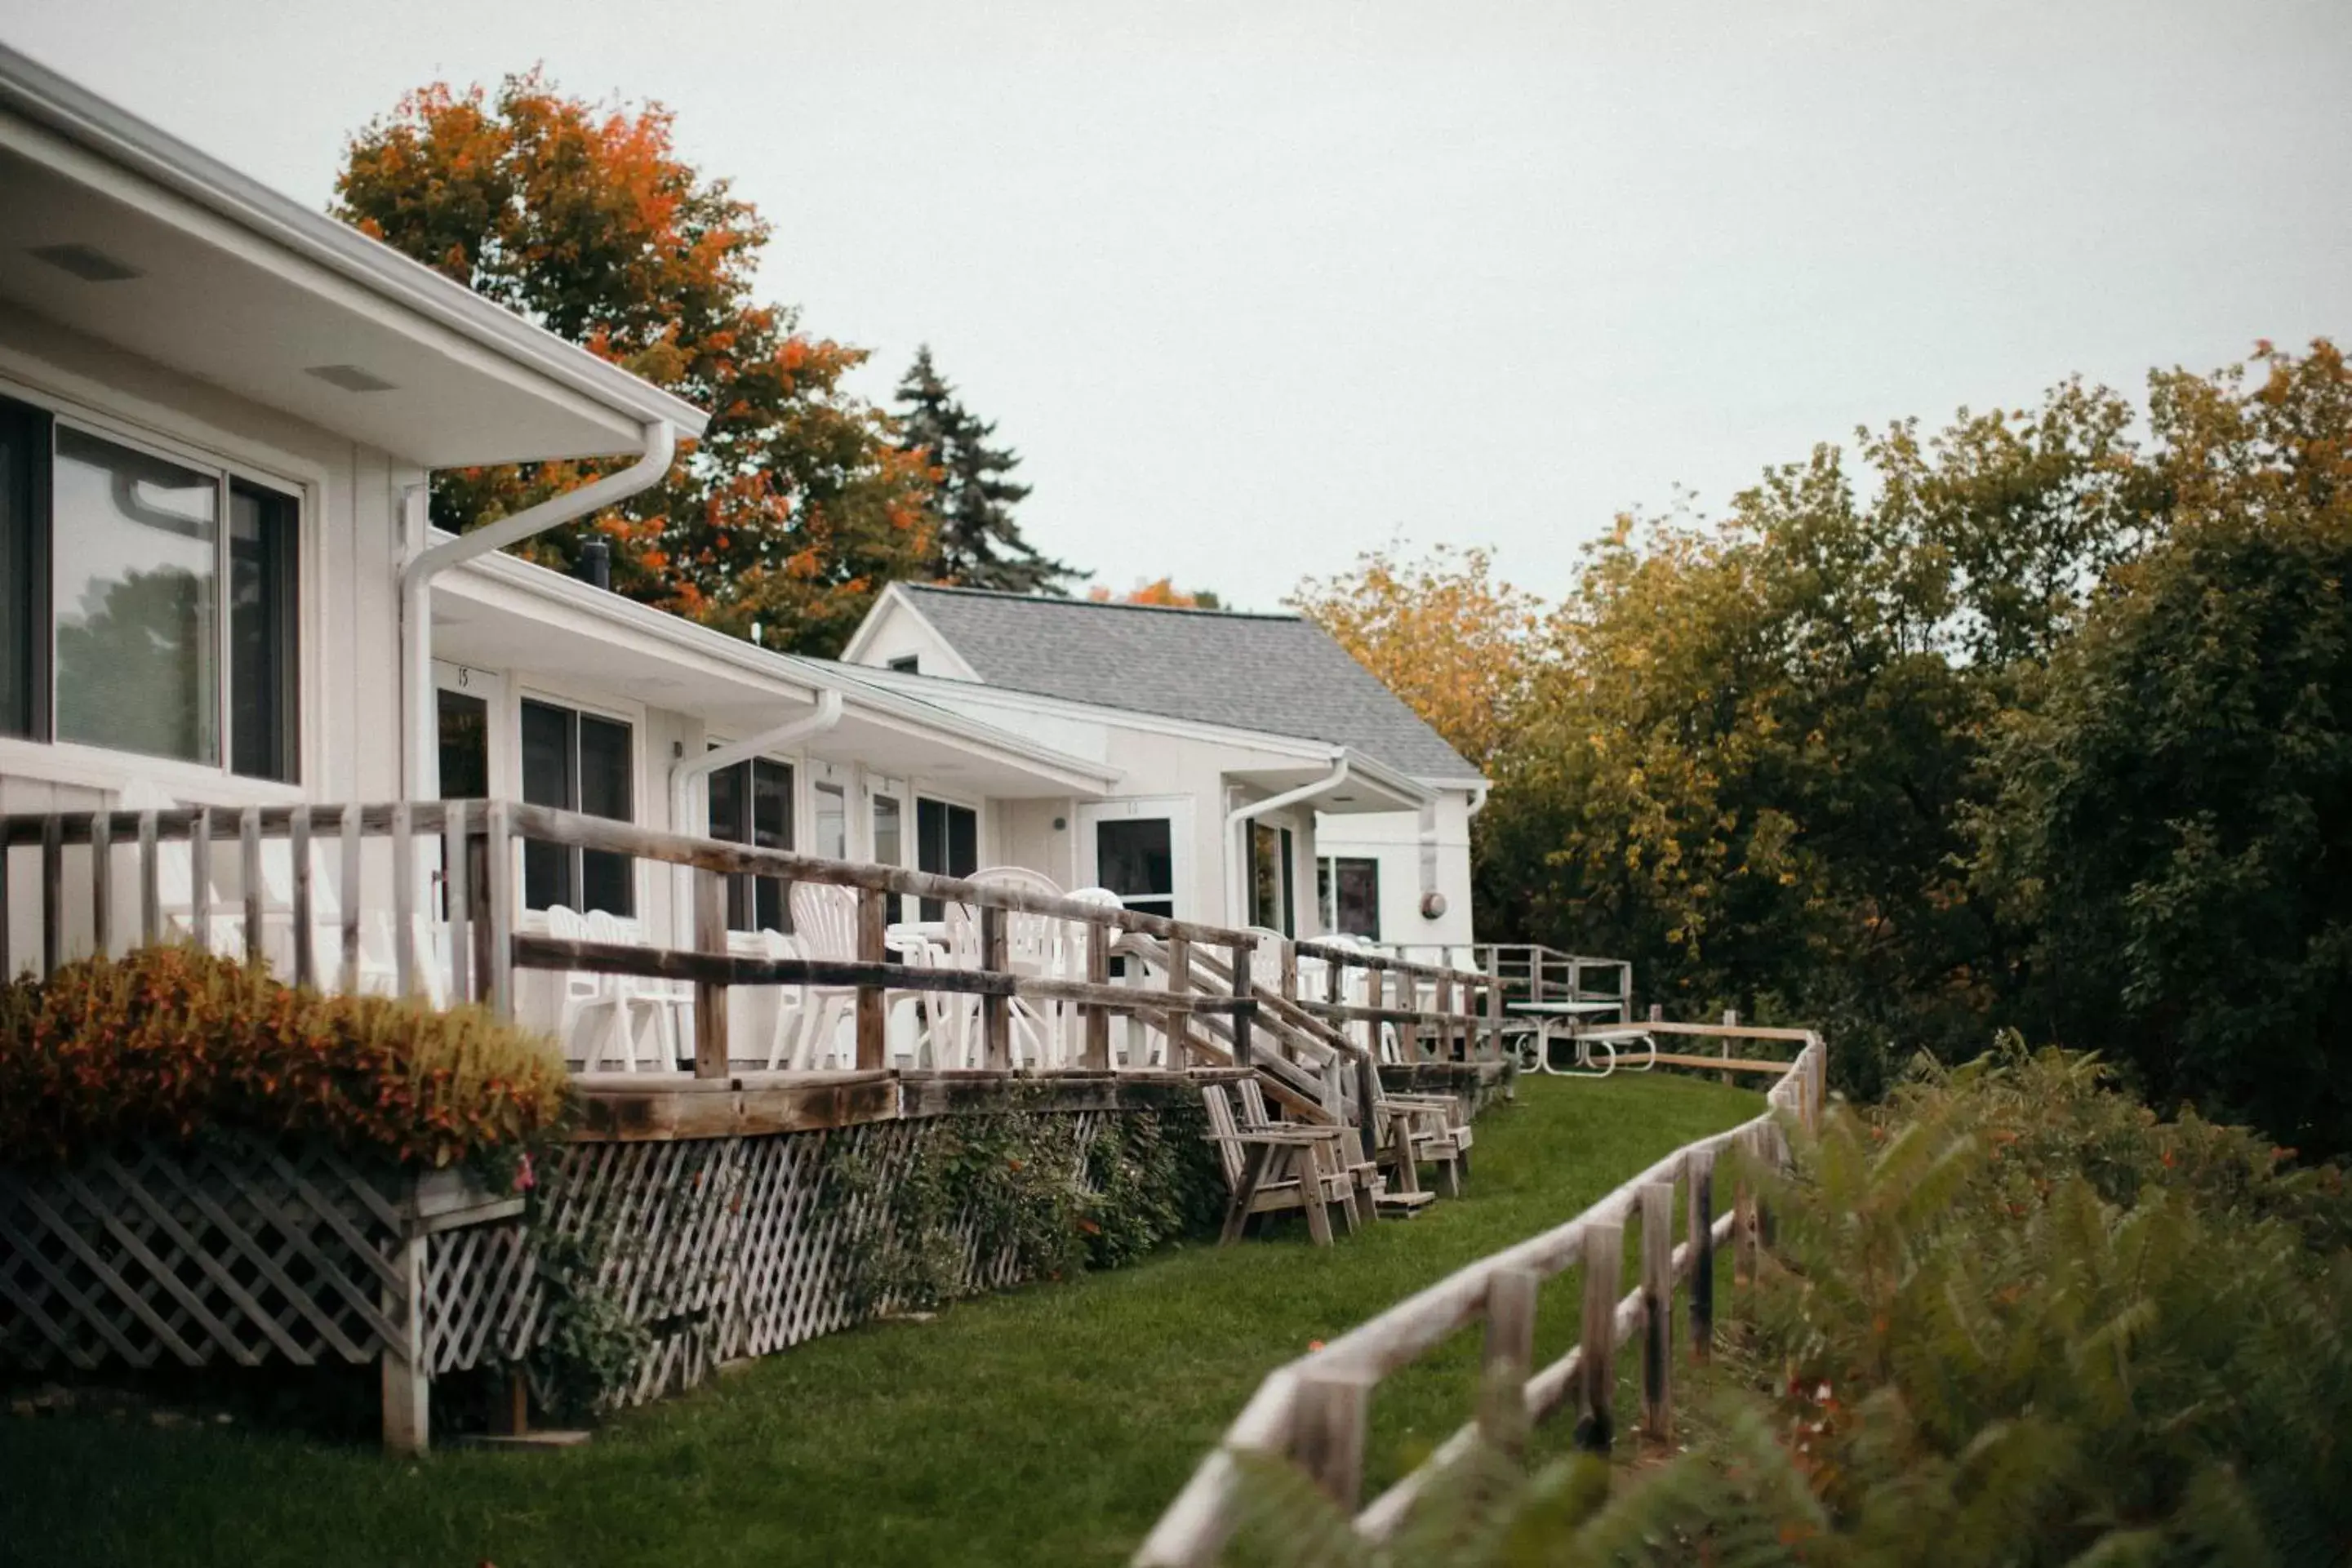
[172, 1041]
[2012, 1318]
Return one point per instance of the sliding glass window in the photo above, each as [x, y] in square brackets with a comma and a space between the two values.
[148, 604]
[577, 762]
[751, 803]
[138, 595]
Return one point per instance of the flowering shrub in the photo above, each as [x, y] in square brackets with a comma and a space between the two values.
[172, 1041]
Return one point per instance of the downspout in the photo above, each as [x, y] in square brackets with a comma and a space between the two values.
[1236, 906]
[659, 444]
[685, 775]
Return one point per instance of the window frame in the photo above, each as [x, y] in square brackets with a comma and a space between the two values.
[40, 754]
[932, 908]
[634, 722]
[1326, 894]
[745, 884]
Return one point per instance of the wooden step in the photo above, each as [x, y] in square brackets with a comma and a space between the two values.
[1403, 1205]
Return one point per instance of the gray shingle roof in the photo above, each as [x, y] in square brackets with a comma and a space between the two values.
[1278, 675]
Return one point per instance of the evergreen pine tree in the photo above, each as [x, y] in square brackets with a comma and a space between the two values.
[975, 542]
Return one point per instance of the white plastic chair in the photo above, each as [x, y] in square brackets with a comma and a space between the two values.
[785, 1021]
[661, 1000]
[583, 999]
[825, 919]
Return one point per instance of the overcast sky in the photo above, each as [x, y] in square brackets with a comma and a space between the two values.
[1255, 286]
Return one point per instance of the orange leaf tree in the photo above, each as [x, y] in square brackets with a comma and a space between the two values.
[1443, 632]
[794, 508]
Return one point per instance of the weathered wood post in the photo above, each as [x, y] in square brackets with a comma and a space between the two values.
[1658, 1310]
[1596, 1363]
[1245, 1004]
[151, 891]
[996, 1009]
[1743, 1216]
[1493, 1005]
[404, 898]
[407, 1389]
[460, 900]
[1393, 983]
[495, 912]
[1509, 1352]
[1327, 1431]
[1100, 934]
[53, 893]
[1443, 997]
[306, 950]
[200, 877]
[710, 1049]
[1730, 1020]
[101, 884]
[1700, 1228]
[248, 843]
[873, 1005]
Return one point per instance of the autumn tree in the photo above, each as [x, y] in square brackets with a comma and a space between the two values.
[795, 505]
[1754, 753]
[975, 541]
[1161, 591]
[1443, 632]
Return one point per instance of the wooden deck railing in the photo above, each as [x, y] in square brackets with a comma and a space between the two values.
[1313, 1412]
[1530, 972]
[453, 864]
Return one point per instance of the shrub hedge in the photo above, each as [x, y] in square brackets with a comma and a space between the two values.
[174, 1041]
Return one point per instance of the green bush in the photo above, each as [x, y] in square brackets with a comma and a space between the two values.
[2012, 1318]
[171, 1042]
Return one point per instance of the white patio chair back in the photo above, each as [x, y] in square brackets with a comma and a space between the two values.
[1019, 876]
[824, 917]
[659, 1000]
[786, 1022]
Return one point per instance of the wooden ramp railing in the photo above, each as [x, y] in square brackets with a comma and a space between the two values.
[1313, 1412]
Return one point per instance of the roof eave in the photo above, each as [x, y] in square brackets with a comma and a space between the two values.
[40, 95]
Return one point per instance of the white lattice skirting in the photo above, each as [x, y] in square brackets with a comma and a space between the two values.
[722, 1247]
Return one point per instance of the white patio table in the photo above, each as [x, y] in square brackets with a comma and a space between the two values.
[1547, 1016]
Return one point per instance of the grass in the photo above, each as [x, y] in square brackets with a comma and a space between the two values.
[1046, 1425]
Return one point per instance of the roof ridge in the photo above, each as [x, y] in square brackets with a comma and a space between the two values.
[1060, 603]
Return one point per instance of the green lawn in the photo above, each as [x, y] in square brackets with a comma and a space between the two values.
[1048, 1425]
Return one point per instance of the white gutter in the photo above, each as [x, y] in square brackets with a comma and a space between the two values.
[660, 443]
[685, 775]
[1236, 906]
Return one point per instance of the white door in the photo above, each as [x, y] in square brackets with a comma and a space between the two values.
[471, 721]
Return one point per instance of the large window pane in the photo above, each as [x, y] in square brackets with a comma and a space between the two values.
[1269, 879]
[264, 694]
[24, 570]
[751, 803]
[607, 788]
[548, 779]
[947, 844]
[1134, 858]
[1348, 889]
[889, 848]
[136, 542]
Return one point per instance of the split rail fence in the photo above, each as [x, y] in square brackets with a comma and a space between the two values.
[1314, 1412]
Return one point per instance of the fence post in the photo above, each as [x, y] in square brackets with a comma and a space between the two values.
[1510, 1351]
[1442, 998]
[1097, 1016]
[1730, 1020]
[1408, 1030]
[53, 893]
[200, 878]
[1743, 1216]
[1700, 1226]
[101, 884]
[1625, 991]
[1245, 1004]
[494, 930]
[151, 891]
[306, 950]
[995, 1011]
[1494, 1004]
[873, 1006]
[1328, 1432]
[403, 897]
[248, 840]
[1596, 1361]
[408, 1390]
[1658, 1310]
[710, 1051]
[459, 895]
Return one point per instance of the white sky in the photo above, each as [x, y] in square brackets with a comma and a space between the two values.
[1255, 286]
